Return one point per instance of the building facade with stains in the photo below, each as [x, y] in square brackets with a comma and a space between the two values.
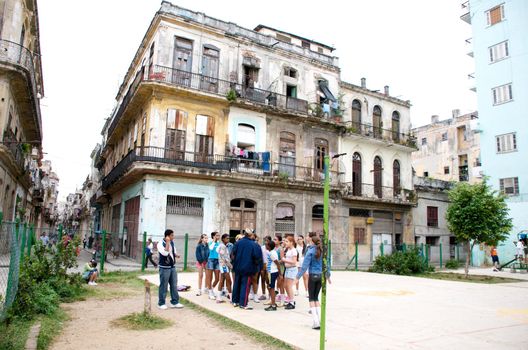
[218, 127]
[21, 87]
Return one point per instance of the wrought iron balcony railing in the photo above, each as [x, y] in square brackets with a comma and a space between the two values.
[363, 190]
[379, 133]
[212, 85]
[252, 167]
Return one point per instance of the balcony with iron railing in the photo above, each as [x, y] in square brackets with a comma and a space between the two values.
[282, 173]
[210, 85]
[381, 134]
[14, 147]
[19, 58]
[378, 193]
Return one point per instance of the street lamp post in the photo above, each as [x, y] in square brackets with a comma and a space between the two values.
[326, 198]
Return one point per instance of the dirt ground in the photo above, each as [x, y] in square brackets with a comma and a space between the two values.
[89, 327]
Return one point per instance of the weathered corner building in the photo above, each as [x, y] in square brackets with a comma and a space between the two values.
[21, 88]
[221, 127]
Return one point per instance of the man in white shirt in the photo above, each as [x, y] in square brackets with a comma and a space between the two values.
[167, 271]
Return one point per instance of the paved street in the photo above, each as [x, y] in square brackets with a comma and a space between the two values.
[374, 311]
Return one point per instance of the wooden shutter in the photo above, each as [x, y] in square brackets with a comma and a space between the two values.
[359, 235]
[432, 216]
[495, 15]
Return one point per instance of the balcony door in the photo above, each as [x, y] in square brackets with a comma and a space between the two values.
[287, 154]
[175, 134]
[204, 139]
[356, 116]
[243, 215]
[182, 61]
[209, 78]
[396, 178]
[321, 151]
[376, 122]
[356, 174]
[378, 177]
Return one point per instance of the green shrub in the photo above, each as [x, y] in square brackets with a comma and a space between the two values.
[401, 263]
[231, 95]
[44, 282]
[452, 264]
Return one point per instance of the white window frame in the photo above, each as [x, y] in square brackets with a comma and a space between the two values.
[496, 50]
[506, 143]
[488, 18]
[502, 94]
[509, 182]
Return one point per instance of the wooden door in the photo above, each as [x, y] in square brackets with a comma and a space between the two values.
[356, 174]
[182, 61]
[130, 226]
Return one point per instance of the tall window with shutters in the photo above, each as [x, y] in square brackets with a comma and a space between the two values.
[376, 122]
[506, 143]
[175, 134]
[509, 186]
[360, 235]
[499, 51]
[182, 61]
[287, 153]
[432, 216]
[210, 66]
[495, 15]
[321, 150]
[204, 137]
[396, 126]
[396, 178]
[378, 180]
[356, 116]
[356, 174]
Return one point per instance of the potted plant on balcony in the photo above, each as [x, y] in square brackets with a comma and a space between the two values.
[231, 95]
[315, 110]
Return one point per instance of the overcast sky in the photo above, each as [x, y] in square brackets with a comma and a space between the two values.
[414, 46]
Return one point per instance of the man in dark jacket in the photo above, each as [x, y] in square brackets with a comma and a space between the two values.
[167, 271]
[247, 261]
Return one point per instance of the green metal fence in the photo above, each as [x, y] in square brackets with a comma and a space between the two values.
[10, 259]
[355, 256]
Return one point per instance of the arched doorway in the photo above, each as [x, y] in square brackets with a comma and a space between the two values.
[356, 174]
[378, 177]
[317, 218]
[243, 214]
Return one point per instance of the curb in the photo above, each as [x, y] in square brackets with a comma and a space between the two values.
[253, 333]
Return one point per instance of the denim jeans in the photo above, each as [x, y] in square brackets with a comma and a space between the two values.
[168, 277]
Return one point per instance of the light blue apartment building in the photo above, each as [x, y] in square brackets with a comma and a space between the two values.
[500, 50]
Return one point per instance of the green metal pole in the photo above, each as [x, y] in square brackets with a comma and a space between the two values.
[356, 255]
[457, 252]
[144, 254]
[31, 239]
[60, 233]
[330, 254]
[427, 248]
[422, 250]
[185, 252]
[381, 249]
[404, 247]
[326, 198]
[23, 244]
[103, 253]
[470, 255]
[440, 255]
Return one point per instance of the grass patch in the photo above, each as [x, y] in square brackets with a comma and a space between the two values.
[140, 321]
[450, 276]
[13, 335]
[50, 327]
[116, 284]
[230, 324]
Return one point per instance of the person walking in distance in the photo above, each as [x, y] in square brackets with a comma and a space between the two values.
[148, 253]
[212, 264]
[247, 261]
[167, 271]
[313, 263]
[494, 258]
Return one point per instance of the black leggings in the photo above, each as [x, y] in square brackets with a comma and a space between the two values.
[314, 286]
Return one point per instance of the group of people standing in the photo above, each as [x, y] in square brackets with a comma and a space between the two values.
[233, 271]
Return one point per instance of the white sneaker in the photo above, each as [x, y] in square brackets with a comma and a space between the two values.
[199, 293]
[176, 306]
[94, 283]
[296, 292]
[162, 307]
[256, 299]
[211, 296]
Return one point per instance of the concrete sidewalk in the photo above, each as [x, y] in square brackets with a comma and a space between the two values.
[374, 311]
[488, 271]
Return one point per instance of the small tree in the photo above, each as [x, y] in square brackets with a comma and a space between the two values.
[477, 214]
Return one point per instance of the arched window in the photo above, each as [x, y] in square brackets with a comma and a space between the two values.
[396, 178]
[395, 126]
[287, 153]
[285, 219]
[376, 122]
[378, 169]
[243, 215]
[356, 115]
[356, 174]
[246, 137]
[321, 150]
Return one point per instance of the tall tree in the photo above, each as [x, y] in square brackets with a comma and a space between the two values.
[477, 214]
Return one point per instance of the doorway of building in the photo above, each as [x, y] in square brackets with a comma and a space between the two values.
[243, 215]
[317, 218]
[130, 226]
